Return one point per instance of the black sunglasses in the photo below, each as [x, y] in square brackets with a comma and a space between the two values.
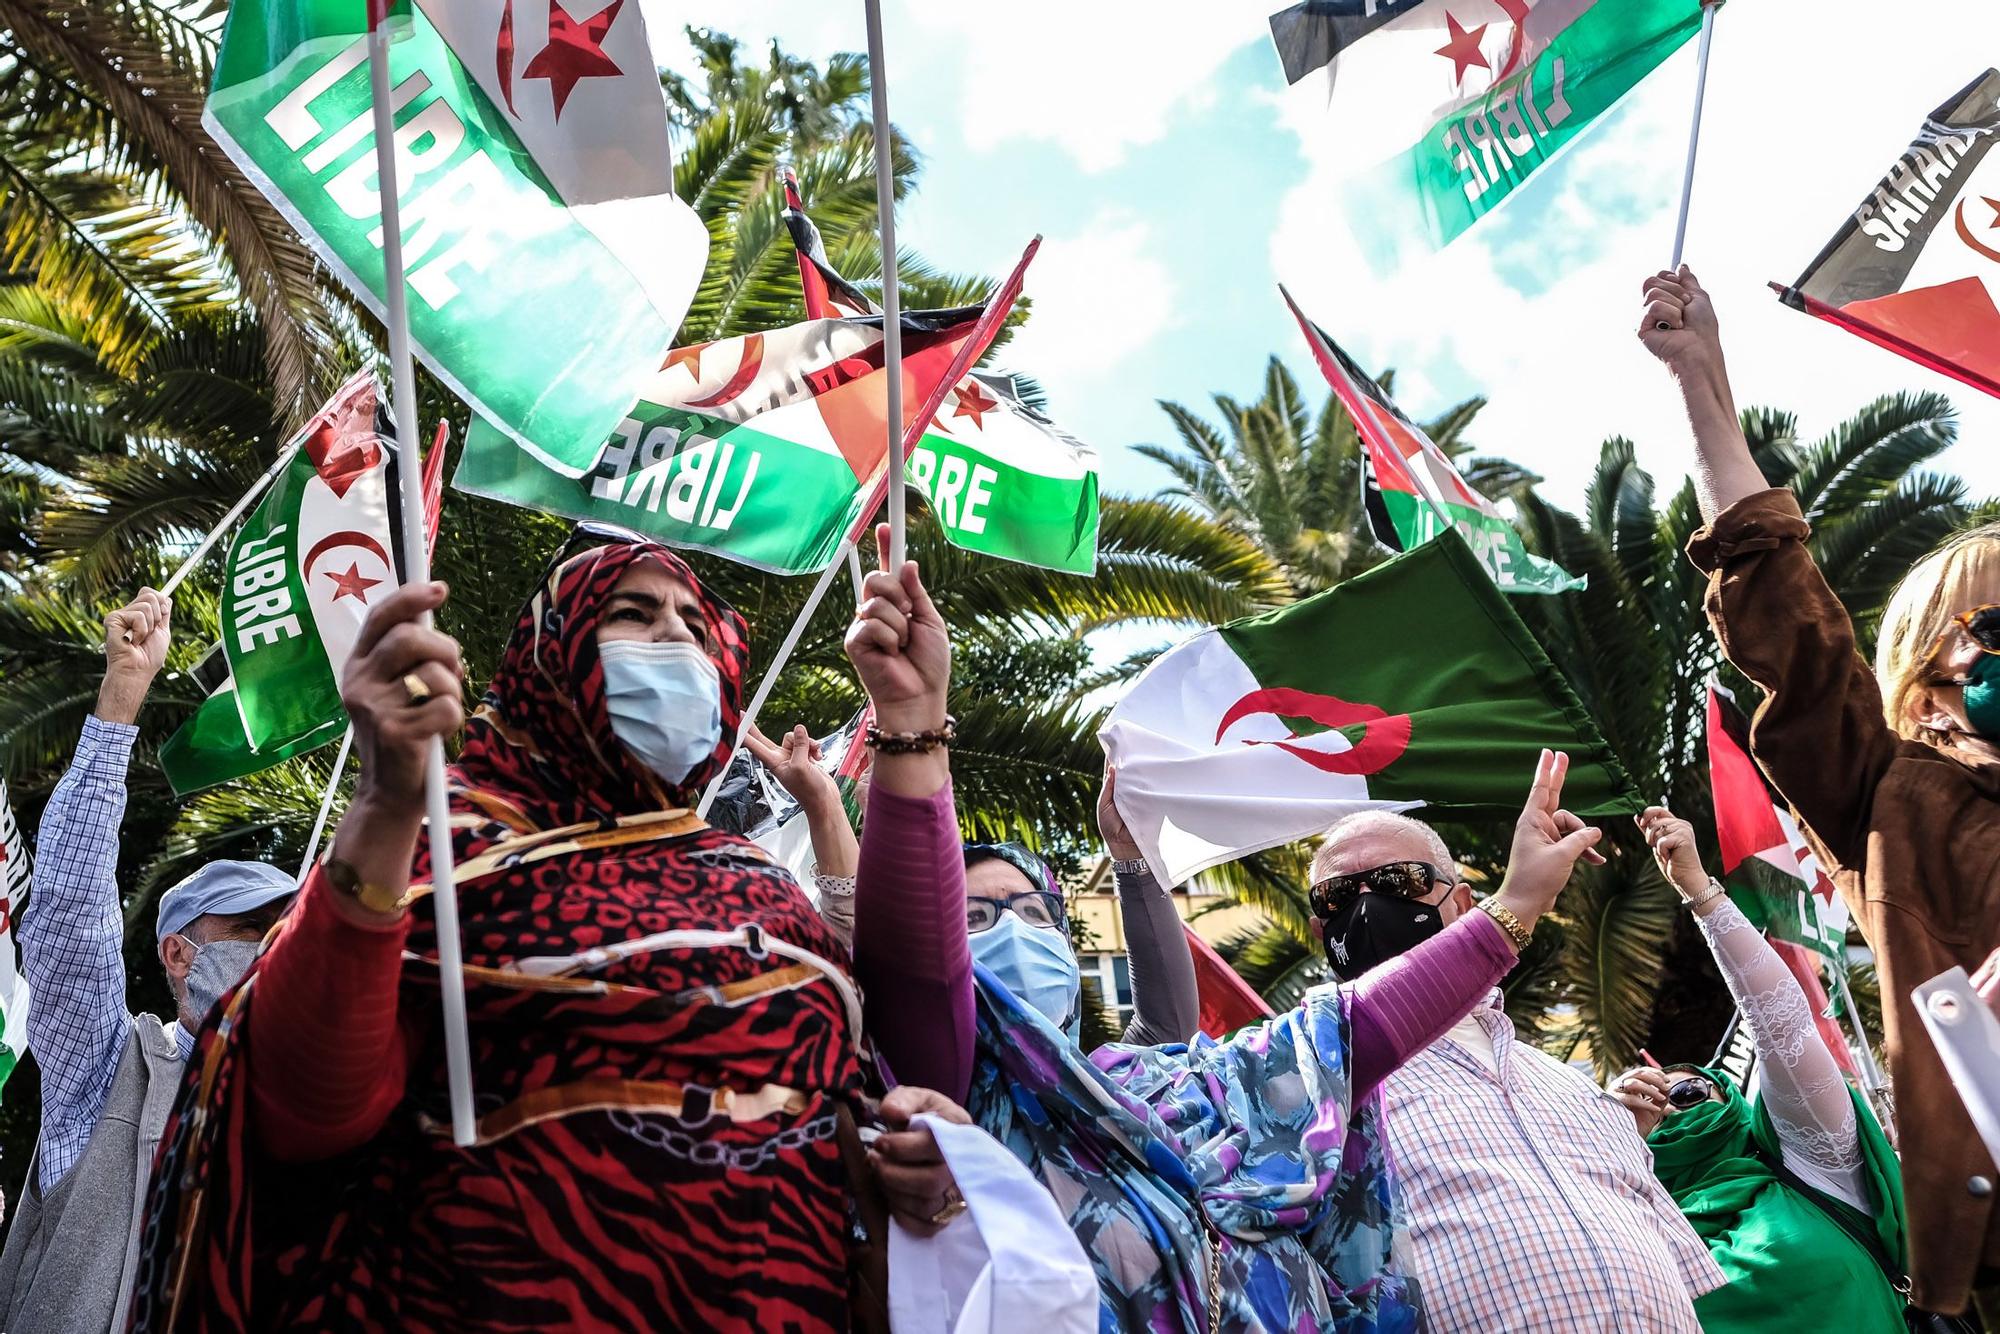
[1036, 907]
[1403, 880]
[1692, 1091]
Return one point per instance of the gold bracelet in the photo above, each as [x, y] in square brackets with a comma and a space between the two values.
[1508, 922]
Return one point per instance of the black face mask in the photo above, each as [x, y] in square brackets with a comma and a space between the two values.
[1374, 928]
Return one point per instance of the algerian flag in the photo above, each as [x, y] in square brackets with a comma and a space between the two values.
[301, 575]
[549, 262]
[1412, 686]
[1003, 479]
[1410, 485]
[1768, 868]
[766, 448]
[14, 874]
[1450, 104]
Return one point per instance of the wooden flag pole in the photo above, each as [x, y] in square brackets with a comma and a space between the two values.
[791, 642]
[437, 802]
[1708, 8]
[892, 307]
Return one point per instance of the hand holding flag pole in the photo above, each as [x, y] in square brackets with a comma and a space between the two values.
[437, 803]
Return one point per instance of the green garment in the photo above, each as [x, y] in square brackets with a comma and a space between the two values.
[1789, 1265]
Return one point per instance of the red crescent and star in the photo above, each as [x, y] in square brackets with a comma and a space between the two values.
[353, 583]
[1965, 233]
[574, 52]
[1463, 47]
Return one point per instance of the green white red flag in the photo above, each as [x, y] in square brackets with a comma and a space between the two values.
[1767, 867]
[1916, 267]
[1264, 731]
[1449, 105]
[1410, 486]
[14, 998]
[1002, 478]
[767, 448]
[302, 572]
[549, 262]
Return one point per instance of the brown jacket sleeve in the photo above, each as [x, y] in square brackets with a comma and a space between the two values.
[1819, 733]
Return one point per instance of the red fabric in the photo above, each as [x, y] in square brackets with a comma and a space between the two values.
[1227, 1002]
[1805, 967]
[585, 1220]
[1952, 328]
[1746, 823]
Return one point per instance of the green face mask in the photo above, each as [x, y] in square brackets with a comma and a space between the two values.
[1982, 697]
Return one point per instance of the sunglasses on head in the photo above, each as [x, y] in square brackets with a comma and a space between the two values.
[1036, 907]
[1403, 880]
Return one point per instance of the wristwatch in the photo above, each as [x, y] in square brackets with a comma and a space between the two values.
[378, 899]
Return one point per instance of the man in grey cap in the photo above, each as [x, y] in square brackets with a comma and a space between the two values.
[109, 1077]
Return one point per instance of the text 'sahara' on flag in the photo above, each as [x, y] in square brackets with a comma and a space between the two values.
[549, 262]
[14, 999]
[315, 554]
[1266, 730]
[1002, 479]
[1409, 485]
[1916, 269]
[766, 448]
[1767, 867]
[1448, 105]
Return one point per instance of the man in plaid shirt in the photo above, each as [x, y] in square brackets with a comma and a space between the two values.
[109, 1077]
[1530, 1195]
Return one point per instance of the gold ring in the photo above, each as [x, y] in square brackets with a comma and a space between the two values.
[954, 1205]
[413, 685]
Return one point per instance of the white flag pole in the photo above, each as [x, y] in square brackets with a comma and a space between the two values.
[1708, 8]
[437, 803]
[892, 309]
[854, 569]
[228, 521]
[1871, 1073]
[791, 642]
[326, 802]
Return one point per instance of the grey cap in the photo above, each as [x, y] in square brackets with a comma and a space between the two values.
[224, 888]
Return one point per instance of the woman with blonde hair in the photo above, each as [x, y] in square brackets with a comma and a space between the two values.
[1895, 772]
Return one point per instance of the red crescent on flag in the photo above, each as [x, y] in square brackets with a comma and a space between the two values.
[753, 361]
[1965, 235]
[1517, 10]
[346, 538]
[1384, 737]
[503, 56]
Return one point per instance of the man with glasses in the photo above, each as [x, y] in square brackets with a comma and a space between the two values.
[1531, 1197]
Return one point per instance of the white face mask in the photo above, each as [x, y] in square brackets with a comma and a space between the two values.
[665, 701]
[217, 966]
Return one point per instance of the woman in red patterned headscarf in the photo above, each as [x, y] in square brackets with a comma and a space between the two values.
[663, 1030]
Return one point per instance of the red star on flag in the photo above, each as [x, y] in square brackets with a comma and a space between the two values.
[353, 584]
[689, 357]
[1463, 48]
[575, 51]
[973, 402]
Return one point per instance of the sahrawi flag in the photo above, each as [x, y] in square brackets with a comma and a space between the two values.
[766, 448]
[1409, 485]
[1917, 267]
[303, 570]
[548, 261]
[1002, 479]
[1767, 867]
[752, 802]
[14, 872]
[1447, 105]
[1266, 730]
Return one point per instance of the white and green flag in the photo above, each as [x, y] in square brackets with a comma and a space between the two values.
[1443, 107]
[302, 572]
[14, 876]
[548, 261]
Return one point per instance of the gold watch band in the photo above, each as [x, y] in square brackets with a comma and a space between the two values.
[379, 899]
[1508, 922]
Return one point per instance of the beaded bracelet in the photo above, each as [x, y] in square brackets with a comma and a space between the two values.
[911, 743]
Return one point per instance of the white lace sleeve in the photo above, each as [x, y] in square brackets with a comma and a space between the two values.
[1810, 1106]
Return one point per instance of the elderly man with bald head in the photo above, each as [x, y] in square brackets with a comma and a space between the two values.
[1531, 1199]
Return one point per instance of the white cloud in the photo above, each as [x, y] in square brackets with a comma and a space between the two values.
[1094, 79]
[1537, 309]
[1100, 296]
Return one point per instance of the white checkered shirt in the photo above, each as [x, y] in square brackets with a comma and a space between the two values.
[1531, 1198]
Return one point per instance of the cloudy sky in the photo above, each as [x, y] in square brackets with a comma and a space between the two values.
[1176, 180]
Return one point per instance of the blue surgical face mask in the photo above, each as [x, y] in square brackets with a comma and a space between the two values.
[665, 702]
[1033, 962]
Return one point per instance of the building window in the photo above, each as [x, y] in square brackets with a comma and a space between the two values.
[1112, 974]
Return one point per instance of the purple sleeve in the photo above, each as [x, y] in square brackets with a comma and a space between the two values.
[910, 950]
[1398, 1008]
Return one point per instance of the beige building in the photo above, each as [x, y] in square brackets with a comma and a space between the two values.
[1094, 908]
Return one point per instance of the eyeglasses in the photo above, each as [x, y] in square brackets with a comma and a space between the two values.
[1037, 907]
[1692, 1091]
[1403, 880]
[1981, 625]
